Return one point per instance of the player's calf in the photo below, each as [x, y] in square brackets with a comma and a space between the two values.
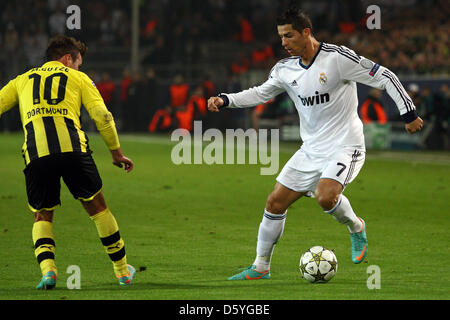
[108, 231]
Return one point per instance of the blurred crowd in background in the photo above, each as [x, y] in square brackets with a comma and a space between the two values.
[413, 42]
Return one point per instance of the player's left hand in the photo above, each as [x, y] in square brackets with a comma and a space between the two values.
[414, 126]
[120, 160]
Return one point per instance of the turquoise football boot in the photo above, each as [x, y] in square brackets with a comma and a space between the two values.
[359, 244]
[48, 281]
[128, 279]
[250, 273]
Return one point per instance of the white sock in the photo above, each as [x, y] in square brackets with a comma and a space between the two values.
[270, 231]
[343, 213]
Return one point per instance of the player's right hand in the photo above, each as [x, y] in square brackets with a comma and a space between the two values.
[214, 103]
[119, 160]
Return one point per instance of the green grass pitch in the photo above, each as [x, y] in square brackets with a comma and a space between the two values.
[189, 227]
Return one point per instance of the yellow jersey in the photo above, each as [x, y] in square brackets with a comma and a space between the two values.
[50, 99]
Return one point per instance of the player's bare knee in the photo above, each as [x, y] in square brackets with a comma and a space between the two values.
[96, 205]
[43, 216]
[326, 200]
[273, 205]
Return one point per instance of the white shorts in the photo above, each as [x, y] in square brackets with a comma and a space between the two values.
[302, 172]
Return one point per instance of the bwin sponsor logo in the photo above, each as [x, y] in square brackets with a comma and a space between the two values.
[317, 99]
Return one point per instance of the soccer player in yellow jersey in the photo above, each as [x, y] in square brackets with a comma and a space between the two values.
[50, 99]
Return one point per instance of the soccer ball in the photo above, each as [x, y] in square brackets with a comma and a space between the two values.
[318, 264]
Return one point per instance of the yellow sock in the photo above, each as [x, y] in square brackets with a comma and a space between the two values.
[44, 246]
[108, 231]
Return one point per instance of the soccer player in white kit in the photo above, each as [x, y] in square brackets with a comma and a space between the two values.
[320, 78]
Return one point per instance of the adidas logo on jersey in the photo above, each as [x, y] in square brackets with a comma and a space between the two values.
[317, 99]
[294, 84]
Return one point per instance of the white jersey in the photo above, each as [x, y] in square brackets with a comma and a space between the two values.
[325, 96]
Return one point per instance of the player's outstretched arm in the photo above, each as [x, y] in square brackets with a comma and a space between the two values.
[365, 71]
[214, 103]
[414, 126]
[120, 160]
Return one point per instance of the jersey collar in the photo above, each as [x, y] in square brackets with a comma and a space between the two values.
[52, 63]
[313, 59]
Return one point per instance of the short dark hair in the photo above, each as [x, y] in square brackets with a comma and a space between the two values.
[296, 17]
[61, 45]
